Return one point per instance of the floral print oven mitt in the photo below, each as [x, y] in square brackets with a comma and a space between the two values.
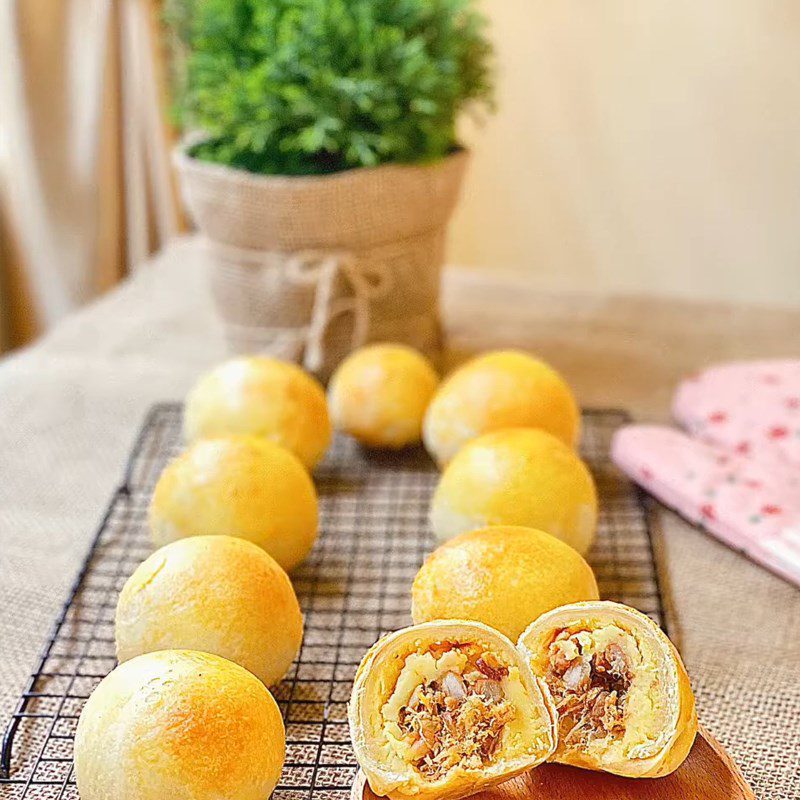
[736, 471]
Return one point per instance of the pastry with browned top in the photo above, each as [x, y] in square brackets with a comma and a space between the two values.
[179, 725]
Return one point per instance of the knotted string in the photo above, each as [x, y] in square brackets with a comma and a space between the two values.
[366, 280]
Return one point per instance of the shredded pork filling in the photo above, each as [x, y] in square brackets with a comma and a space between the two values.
[589, 688]
[458, 719]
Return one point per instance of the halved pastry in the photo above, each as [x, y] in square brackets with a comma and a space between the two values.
[623, 698]
[443, 709]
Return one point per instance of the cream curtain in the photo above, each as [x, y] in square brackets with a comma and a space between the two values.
[87, 192]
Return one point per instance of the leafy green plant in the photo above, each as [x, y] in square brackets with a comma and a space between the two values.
[312, 86]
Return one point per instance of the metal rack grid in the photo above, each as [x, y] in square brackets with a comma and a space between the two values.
[354, 586]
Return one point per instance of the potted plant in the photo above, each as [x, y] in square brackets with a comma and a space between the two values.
[323, 163]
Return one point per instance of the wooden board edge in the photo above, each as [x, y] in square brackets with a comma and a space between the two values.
[725, 757]
[360, 781]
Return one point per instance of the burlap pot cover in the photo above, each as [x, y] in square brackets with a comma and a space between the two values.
[307, 268]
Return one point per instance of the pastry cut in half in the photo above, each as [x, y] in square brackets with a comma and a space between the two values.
[622, 694]
[443, 709]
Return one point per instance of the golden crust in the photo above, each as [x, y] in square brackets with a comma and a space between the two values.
[680, 726]
[233, 600]
[265, 397]
[501, 389]
[238, 486]
[379, 395]
[374, 683]
[182, 725]
[503, 576]
[517, 476]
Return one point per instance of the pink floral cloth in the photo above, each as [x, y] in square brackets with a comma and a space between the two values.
[737, 472]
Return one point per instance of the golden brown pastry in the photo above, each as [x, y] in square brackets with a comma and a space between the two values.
[441, 710]
[502, 389]
[216, 594]
[179, 725]
[238, 486]
[503, 576]
[624, 700]
[261, 396]
[379, 395]
[517, 476]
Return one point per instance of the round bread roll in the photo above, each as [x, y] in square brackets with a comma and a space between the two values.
[181, 725]
[502, 389]
[261, 396]
[238, 486]
[233, 600]
[379, 395]
[517, 476]
[503, 576]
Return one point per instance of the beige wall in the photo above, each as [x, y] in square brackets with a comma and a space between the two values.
[641, 145]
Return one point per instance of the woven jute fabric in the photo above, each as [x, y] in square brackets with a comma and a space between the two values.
[70, 408]
[309, 267]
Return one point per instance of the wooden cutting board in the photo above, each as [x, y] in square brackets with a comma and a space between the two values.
[707, 774]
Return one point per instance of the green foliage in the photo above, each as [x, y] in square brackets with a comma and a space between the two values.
[312, 86]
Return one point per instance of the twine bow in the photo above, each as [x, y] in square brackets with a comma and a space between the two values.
[321, 269]
[367, 278]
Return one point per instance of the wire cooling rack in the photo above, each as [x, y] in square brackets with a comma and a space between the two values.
[353, 587]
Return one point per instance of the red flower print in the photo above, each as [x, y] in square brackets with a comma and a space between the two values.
[647, 473]
[771, 510]
[722, 460]
[778, 432]
[751, 484]
[743, 448]
[718, 417]
[793, 403]
[707, 511]
[771, 380]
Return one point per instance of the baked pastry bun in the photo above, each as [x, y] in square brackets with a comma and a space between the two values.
[624, 700]
[517, 476]
[502, 576]
[261, 396]
[441, 710]
[216, 594]
[379, 395]
[179, 725]
[238, 486]
[502, 389]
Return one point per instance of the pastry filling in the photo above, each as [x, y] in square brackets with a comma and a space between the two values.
[456, 715]
[590, 684]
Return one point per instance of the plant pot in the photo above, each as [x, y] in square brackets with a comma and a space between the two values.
[309, 267]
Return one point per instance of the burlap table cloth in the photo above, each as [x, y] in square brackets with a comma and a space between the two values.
[70, 407]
